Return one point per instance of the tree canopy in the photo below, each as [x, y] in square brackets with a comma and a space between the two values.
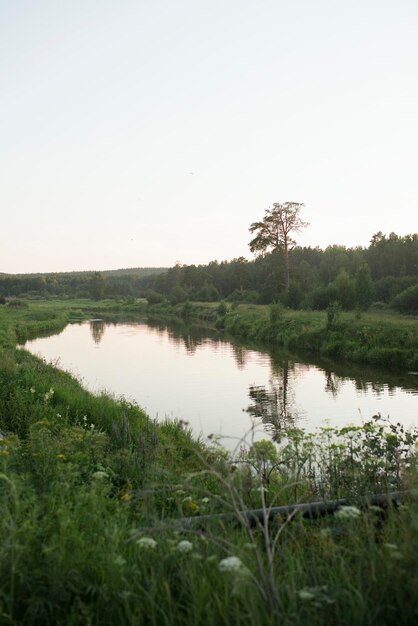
[275, 232]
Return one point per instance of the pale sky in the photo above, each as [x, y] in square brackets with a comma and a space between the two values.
[141, 133]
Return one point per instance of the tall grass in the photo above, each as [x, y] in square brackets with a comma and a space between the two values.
[91, 492]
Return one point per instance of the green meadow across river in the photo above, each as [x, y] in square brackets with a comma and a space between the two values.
[92, 488]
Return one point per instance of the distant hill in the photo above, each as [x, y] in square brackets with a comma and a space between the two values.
[139, 272]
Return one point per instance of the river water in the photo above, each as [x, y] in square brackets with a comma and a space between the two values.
[224, 388]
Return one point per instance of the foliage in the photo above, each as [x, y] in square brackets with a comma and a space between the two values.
[407, 301]
[153, 297]
[333, 313]
[275, 232]
[353, 276]
[276, 312]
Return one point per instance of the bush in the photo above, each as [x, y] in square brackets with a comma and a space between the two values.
[17, 303]
[153, 297]
[333, 313]
[406, 301]
[276, 313]
[221, 309]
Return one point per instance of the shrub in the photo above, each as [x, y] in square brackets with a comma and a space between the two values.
[407, 300]
[333, 313]
[276, 313]
[221, 309]
[153, 297]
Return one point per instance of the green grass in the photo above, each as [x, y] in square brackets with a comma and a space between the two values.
[85, 479]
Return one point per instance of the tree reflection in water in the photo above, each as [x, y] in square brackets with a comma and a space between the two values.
[240, 355]
[275, 406]
[332, 383]
[97, 328]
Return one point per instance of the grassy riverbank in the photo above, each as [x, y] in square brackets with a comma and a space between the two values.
[90, 491]
[376, 338]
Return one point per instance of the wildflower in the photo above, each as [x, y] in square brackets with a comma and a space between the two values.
[190, 505]
[231, 564]
[147, 543]
[125, 497]
[32, 390]
[61, 457]
[48, 395]
[348, 512]
[304, 594]
[205, 500]
[317, 595]
[120, 561]
[184, 546]
[100, 475]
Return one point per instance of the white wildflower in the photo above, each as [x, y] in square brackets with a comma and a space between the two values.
[231, 564]
[184, 546]
[100, 475]
[148, 543]
[32, 390]
[304, 594]
[48, 395]
[205, 500]
[348, 512]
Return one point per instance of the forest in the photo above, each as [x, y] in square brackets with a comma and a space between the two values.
[385, 274]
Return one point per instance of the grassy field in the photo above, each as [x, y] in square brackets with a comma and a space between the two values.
[91, 493]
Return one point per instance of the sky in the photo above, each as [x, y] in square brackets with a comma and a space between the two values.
[141, 134]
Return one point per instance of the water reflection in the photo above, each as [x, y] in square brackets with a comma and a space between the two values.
[332, 383]
[276, 405]
[97, 329]
[208, 381]
[241, 356]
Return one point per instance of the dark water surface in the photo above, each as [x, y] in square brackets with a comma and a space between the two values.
[221, 387]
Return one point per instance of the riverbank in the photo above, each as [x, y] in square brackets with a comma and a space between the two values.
[375, 338]
[91, 490]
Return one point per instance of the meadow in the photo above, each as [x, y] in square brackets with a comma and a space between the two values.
[93, 494]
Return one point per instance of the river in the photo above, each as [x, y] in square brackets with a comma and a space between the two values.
[224, 388]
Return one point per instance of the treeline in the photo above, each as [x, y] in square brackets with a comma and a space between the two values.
[385, 273]
[89, 284]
